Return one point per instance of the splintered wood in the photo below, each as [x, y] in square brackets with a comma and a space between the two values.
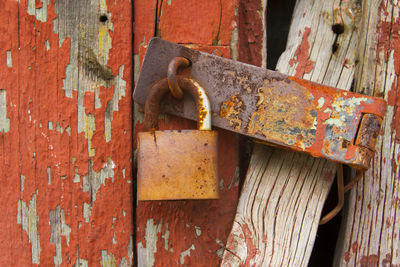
[370, 228]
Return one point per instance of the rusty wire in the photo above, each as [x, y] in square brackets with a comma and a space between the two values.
[340, 203]
[341, 190]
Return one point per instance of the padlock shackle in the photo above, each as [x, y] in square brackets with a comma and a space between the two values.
[158, 91]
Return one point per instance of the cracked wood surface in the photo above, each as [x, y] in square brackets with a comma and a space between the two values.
[370, 227]
[188, 233]
[282, 198]
[65, 133]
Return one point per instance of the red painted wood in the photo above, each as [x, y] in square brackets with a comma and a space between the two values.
[44, 216]
[194, 233]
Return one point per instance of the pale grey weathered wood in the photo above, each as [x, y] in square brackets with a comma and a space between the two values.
[370, 229]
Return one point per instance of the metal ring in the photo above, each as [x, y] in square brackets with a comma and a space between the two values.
[173, 67]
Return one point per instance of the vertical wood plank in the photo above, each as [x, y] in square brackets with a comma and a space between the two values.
[191, 233]
[370, 229]
[65, 153]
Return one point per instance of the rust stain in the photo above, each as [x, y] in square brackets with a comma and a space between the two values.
[301, 56]
[231, 109]
[284, 114]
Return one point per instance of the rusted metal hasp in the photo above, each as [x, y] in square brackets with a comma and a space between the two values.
[272, 107]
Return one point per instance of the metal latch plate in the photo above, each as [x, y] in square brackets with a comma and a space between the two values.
[272, 107]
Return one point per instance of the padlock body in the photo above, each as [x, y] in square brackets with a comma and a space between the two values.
[177, 164]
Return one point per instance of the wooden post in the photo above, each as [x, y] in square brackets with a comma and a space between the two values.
[65, 133]
[281, 201]
[370, 228]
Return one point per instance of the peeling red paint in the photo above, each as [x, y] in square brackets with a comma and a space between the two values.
[354, 247]
[250, 32]
[211, 21]
[252, 250]
[304, 65]
[369, 261]
[389, 42]
[43, 141]
[347, 256]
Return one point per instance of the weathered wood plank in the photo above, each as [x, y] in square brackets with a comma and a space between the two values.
[283, 195]
[193, 233]
[65, 153]
[370, 229]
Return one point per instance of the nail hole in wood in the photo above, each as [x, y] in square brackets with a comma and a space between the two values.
[103, 18]
[338, 28]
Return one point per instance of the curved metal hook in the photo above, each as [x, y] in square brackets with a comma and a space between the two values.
[173, 67]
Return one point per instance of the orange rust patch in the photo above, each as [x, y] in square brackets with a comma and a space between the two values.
[284, 114]
[231, 109]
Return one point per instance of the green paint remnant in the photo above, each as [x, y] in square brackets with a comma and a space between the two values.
[77, 178]
[165, 236]
[90, 127]
[185, 253]
[233, 43]
[220, 252]
[48, 170]
[87, 211]
[119, 92]
[129, 250]
[107, 260]
[9, 58]
[47, 45]
[4, 121]
[79, 261]
[58, 228]
[39, 13]
[61, 130]
[146, 254]
[27, 217]
[87, 71]
[22, 179]
[93, 181]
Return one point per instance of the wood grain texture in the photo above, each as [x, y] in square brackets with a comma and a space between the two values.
[370, 229]
[284, 192]
[65, 135]
[188, 233]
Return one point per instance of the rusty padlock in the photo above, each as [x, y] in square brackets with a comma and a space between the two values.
[177, 164]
